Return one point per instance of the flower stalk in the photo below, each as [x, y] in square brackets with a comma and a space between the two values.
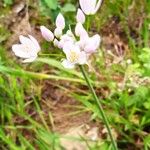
[99, 106]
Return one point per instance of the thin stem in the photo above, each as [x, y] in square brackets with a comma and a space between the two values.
[41, 54]
[100, 107]
[88, 23]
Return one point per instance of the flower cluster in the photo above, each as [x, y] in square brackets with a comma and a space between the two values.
[77, 46]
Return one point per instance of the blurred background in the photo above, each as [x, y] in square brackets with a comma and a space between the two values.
[44, 106]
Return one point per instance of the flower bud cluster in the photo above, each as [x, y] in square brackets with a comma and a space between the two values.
[77, 46]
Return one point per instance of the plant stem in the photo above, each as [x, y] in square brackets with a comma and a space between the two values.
[99, 106]
[88, 23]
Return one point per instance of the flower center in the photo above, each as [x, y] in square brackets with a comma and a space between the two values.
[73, 56]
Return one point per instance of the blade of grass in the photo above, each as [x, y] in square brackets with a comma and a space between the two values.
[22, 73]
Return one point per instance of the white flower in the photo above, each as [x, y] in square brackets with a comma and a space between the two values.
[90, 7]
[73, 55]
[60, 21]
[47, 34]
[28, 49]
[80, 16]
[86, 43]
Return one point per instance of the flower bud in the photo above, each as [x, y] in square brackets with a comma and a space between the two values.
[60, 21]
[47, 34]
[58, 32]
[80, 16]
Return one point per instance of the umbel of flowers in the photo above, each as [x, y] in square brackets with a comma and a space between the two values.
[76, 44]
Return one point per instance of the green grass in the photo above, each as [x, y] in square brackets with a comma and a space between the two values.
[127, 108]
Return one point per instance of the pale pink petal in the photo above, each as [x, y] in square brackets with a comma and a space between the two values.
[83, 58]
[18, 50]
[69, 33]
[92, 44]
[66, 38]
[47, 34]
[25, 40]
[93, 6]
[31, 59]
[80, 16]
[67, 47]
[35, 42]
[97, 6]
[96, 39]
[60, 21]
[56, 43]
[58, 32]
[67, 64]
[80, 31]
[82, 42]
[30, 42]
[87, 6]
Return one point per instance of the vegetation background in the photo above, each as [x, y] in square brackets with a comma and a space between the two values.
[44, 106]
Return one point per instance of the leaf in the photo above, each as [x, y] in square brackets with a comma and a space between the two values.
[8, 2]
[52, 4]
[23, 74]
[57, 64]
[69, 8]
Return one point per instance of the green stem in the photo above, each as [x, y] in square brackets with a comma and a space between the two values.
[88, 23]
[100, 107]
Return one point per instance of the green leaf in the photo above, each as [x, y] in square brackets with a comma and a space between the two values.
[22, 73]
[52, 4]
[8, 2]
[57, 64]
[69, 8]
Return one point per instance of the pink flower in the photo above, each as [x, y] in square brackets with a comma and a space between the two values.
[90, 7]
[80, 16]
[27, 49]
[47, 34]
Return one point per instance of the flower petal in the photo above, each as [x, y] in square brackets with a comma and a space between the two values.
[67, 64]
[92, 44]
[83, 58]
[35, 42]
[87, 6]
[97, 6]
[56, 43]
[31, 59]
[80, 31]
[30, 42]
[47, 34]
[25, 40]
[67, 47]
[58, 32]
[19, 51]
[80, 16]
[60, 21]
